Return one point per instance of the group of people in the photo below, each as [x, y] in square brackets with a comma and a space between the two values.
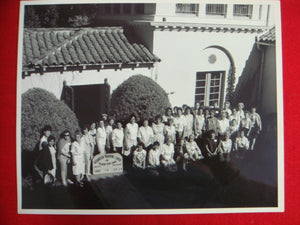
[179, 137]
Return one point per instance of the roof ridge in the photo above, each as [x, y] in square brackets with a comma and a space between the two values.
[52, 51]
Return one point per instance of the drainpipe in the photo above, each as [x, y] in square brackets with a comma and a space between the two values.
[261, 48]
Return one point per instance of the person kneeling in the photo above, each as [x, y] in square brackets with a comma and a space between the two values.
[192, 152]
[154, 159]
[139, 157]
[167, 156]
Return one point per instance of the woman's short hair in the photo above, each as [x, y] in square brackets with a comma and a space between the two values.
[50, 138]
[156, 143]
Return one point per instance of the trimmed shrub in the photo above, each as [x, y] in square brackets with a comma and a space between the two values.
[138, 95]
[40, 108]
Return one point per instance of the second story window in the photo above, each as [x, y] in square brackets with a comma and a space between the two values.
[127, 8]
[216, 9]
[187, 8]
[139, 8]
[243, 10]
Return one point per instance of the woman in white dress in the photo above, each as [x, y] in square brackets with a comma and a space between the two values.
[131, 132]
[170, 130]
[109, 129]
[180, 125]
[63, 155]
[189, 122]
[199, 123]
[77, 151]
[145, 135]
[167, 156]
[118, 138]
[101, 137]
[158, 130]
[192, 152]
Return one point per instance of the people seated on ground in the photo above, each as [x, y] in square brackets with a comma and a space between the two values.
[180, 125]
[225, 148]
[145, 135]
[199, 123]
[51, 145]
[118, 138]
[153, 163]
[101, 137]
[255, 128]
[78, 151]
[170, 130]
[168, 115]
[211, 145]
[167, 156]
[241, 144]
[64, 156]
[158, 130]
[44, 161]
[139, 157]
[223, 123]
[87, 142]
[130, 135]
[108, 130]
[192, 152]
[212, 123]
[189, 117]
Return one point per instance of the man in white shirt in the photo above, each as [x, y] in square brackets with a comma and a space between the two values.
[101, 137]
[118, 138]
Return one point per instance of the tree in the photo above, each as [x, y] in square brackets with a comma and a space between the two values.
[40, 108]
[140, 96]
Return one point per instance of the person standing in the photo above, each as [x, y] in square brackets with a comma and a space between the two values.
[223, 123]
[117, 138]
[180, 125]
[87, 141]
[255, 128]
[170, 130]
[199, 123]
[51, 144]
[101, 137]
[63, 155]
[78, 151]
[145, 135]
[131, 132]
[189, 122]
[212, 123]
[109, 129]
[158, 130]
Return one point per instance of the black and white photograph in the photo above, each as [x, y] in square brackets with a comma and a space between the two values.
[154, 107]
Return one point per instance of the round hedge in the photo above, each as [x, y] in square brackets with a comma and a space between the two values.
[40, 108]
[138, 95]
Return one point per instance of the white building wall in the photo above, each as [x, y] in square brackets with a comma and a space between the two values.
[183, 54]
[53, 82]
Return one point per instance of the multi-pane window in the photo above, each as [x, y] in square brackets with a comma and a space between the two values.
[187, 8]
[209, 88]
[243, 10]
[216, 9]
[139, 8]
[127, 8]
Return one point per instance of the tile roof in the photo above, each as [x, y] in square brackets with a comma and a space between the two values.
[268, 37]
[46, 47]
